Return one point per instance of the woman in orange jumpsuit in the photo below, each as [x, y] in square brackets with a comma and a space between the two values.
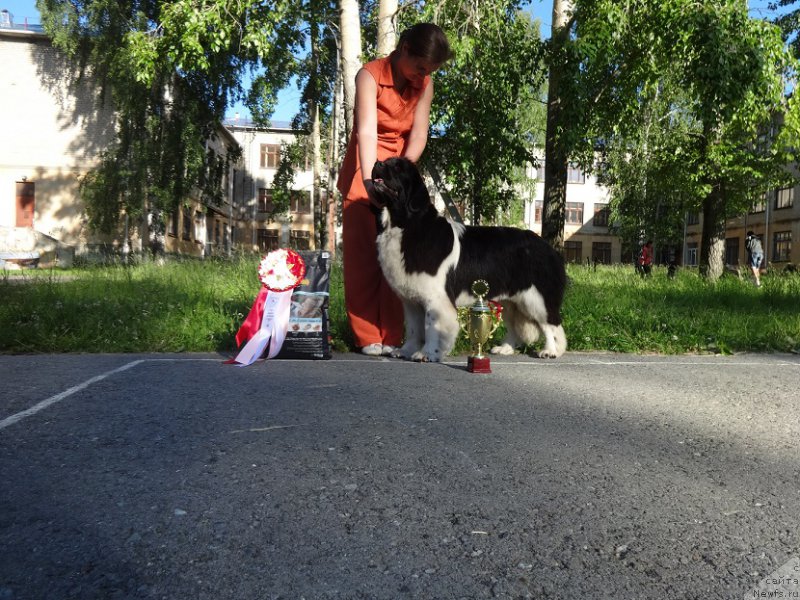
[391, 118]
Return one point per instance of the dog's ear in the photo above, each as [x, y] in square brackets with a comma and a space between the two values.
[418, 198]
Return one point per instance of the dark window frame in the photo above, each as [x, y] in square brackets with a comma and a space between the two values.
[573, 251]
[602, 214]
[573, 213]
[268, 239]
[784, 198]
[270, 156]
[781, 246]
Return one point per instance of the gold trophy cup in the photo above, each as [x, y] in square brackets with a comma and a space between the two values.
[480, 327]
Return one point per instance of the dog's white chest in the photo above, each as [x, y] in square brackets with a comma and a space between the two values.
[423, 287]
[390, 256]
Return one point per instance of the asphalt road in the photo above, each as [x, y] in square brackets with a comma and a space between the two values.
[589, 476]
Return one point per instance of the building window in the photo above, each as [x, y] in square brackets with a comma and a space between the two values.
[540, 172]
[265, 204]
[270, 156]
[216, 233]
[268, 239]
[760, 205]
[784, 198]
[301, 202]
[782, 246]
[186, 224]
[601, 252]
[199, 225]
[172, 226]
[300, 239]
[573, 251]
[537, 211]
[575, 174]
[732, 251]
[601, 213]
[574, 213]
[691, 254]
[692, 218]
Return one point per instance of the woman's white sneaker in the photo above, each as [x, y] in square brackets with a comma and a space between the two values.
[373, 350]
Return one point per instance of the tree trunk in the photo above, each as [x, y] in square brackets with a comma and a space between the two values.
[318, 210]
[712, 243]
[350, 26]
[712, 240]
[320, 206]
[386, 32]
[556, 155]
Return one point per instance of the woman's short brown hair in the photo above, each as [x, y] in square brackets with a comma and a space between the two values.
[426, 41]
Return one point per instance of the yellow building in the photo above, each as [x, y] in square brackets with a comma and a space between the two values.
[56, 127]
[587, 238]
[264, 229]
[775, 220]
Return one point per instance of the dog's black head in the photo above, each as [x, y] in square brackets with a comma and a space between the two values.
[400, 189]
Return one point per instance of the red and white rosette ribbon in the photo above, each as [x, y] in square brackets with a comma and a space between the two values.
[268, 321]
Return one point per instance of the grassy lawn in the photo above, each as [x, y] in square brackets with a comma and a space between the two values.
[193, 306]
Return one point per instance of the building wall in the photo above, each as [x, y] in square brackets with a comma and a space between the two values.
[582, 240]
[285, 227]
[764, 223]
[54, 127]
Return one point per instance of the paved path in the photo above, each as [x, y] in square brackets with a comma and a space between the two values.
[590, 476]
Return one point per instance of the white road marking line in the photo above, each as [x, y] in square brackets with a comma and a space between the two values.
[8, 421]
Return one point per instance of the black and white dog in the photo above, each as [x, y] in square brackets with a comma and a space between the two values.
[431, 263]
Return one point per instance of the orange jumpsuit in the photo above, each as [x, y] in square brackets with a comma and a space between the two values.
[375, 312]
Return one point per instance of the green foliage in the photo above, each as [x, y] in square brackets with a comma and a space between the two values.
[170, 70]
[705, 74]
[198, 306]
[684, 97]
[485, 117]
[292, 157]
[789, 23]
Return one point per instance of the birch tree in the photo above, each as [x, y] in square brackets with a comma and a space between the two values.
[483, 101]
[350, 30]
[387, 10]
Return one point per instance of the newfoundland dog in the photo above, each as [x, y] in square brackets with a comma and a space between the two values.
[431, 263]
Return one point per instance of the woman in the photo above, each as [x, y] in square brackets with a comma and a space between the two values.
[391, 118]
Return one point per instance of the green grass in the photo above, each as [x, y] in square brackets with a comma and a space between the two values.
[194, 306]
[614, 309]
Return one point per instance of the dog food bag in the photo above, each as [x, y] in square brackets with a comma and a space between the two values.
[307, 336]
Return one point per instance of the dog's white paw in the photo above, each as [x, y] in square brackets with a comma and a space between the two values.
[406, 351]
[427, 356]
[503, 349]
[547, 353]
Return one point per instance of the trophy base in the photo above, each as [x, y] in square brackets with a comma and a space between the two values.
[478, 365]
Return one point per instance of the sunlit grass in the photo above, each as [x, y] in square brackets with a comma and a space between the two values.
[614, 309]
[196, 306]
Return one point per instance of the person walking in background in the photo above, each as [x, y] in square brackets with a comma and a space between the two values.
[391, 118]
[645, 262]
[755, 254]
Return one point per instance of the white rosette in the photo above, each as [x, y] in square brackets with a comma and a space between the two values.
[280, 272]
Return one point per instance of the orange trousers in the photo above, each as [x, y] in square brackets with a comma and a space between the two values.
[375, 312]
